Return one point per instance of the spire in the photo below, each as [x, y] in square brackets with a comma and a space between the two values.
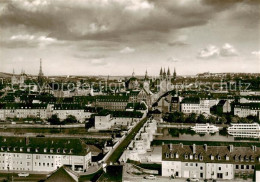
[133, 74]
[164, 73]
[161, 73]
[13, 71]
[174, 73]
[146, 75]
[168, 72]
[40, 72]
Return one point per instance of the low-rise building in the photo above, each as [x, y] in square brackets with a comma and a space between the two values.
[206, 162]
[195, 105]
[246, 109]
[250, 99]
[43, 154]
[22, 110]
[103, 121]
[114, 103]
[223, 106]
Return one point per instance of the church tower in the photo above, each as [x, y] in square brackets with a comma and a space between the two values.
[174, 74]
[40, 75]
[168, 74]
[161, 74]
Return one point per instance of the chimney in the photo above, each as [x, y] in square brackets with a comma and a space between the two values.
[171, 147]
[254, 148]
[231, 148]
[194, 148]
[181, 144]
[206, 147]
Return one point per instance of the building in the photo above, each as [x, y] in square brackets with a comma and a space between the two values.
[43, 154]
[250, 99]
[64, 110]
[19, 79]
[62, 174]
[103, 121]
[107, 119]
[175, 104]
[164, 81]
[223, 106]
[195, 105]
[164, 104]
[206, 162]
[114, 103]
[132, 83]
[246, 109]
[139, 107]
[22, 110]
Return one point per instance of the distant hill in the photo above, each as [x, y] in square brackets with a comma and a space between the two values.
[5, 75]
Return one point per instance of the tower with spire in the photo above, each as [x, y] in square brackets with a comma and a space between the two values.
[40, 75]
[174, 74]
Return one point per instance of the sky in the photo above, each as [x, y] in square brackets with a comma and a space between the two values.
[117, 37]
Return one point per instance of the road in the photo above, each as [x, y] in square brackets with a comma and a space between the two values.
[15, 177]
[118, 151]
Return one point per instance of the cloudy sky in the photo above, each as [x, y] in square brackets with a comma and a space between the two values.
[101, 37]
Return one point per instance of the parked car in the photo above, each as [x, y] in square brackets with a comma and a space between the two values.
[194, 180]
[23, 174]
[150, 177]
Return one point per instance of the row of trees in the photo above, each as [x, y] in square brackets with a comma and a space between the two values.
[54, 120]
[179, 117]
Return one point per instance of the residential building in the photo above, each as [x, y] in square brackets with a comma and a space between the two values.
[103, 121]
[112, 102]
[246, 109]
[195, 105]
[206, 162]
[43, 154]
[21, 110]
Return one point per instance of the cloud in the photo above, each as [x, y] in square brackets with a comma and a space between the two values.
[209, 52]
[256, 53]
[26, 40]
[90, 57]
[105, 19]
[173, 60]
[212, 51]
[127, 50]
[228, 50]
[98, 62]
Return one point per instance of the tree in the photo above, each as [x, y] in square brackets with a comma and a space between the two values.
[234, 119]
[201, 119]
[212, 119]
[91, 122]
[191, 118]
[70, 119]
[222, 120]
[54, 120]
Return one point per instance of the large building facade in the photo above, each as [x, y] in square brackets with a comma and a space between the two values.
[43, 154]
[206, 162]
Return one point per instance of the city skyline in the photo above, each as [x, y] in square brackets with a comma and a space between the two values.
[89, 38]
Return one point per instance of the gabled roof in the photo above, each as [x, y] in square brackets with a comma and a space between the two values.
[63, 175]
[191, 100]
[222, 102]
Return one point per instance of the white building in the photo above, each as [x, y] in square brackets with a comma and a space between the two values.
[43, 154]
[246, 109]
[64, 110]
[21, 110]
[195, 105]
[103, 121]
